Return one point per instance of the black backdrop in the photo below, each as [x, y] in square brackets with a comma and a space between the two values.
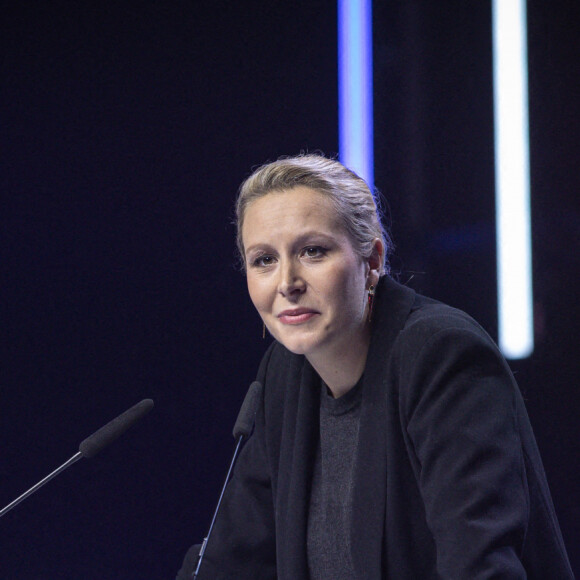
[126, 129]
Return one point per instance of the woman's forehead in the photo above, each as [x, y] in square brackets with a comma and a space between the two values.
[284, 206]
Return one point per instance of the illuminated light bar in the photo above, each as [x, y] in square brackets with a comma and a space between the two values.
[512, 181]
[355, 87]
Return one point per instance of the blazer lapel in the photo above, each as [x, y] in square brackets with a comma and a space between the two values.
[300, 436]
[393, 304]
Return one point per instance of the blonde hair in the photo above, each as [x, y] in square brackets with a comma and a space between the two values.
[358, 209]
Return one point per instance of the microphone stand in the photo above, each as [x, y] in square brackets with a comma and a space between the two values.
[242, 430]
[205, 540]
[58, 470]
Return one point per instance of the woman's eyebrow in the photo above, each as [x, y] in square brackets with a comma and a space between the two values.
[303, 237]
[258, 246]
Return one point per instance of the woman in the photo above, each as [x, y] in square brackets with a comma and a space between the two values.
[392, 441]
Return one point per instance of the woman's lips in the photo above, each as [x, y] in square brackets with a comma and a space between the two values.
[297, 316]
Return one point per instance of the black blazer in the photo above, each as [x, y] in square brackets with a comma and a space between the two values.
[448, 479]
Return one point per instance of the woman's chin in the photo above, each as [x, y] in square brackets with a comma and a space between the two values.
[297, 345]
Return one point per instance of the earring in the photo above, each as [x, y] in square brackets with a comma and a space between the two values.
[370, 300]
[263, 330]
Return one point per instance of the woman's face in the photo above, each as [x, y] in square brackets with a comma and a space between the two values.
[304, 277]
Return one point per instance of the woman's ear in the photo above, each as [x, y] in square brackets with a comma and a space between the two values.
[375, 262]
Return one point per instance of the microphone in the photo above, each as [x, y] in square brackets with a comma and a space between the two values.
[92, 445]
[242, 430]
[113, 429]
[247, 415]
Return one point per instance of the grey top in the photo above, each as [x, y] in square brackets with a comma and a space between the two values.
[329, 518]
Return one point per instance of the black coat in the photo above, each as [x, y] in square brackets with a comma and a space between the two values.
[448, 479]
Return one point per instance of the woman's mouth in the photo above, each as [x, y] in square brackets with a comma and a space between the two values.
[296, 316]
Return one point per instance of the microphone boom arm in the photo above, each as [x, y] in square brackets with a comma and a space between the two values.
[36, 487]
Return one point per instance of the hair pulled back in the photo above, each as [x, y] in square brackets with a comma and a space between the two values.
[357, 208]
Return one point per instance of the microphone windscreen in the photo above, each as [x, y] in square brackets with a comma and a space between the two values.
[108, 433]
[247, 414]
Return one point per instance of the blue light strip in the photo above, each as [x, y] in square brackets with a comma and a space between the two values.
[512, 181]
[355, 87]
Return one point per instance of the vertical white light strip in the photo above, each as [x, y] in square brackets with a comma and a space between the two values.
[512, 182]
[355, 87]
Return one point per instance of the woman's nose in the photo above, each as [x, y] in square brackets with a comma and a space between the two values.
[291, 282]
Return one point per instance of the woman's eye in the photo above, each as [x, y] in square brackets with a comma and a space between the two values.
[314, 252]
[262, 261]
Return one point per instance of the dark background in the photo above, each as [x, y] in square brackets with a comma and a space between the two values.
[126, 129]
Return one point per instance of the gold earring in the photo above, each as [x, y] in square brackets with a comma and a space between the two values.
[263, 330]
[370, 300]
